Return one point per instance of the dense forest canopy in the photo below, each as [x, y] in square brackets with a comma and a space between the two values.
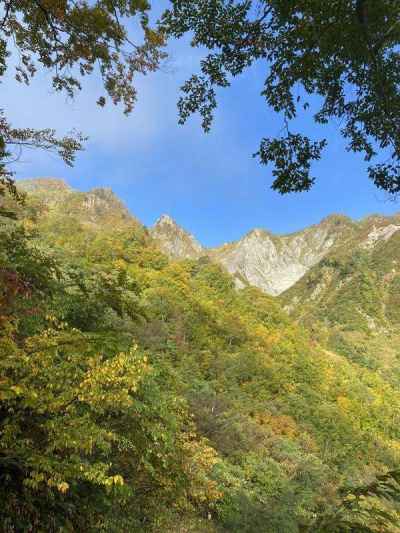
[140, 394]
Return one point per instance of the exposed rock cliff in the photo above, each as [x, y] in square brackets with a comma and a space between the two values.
[272, 263]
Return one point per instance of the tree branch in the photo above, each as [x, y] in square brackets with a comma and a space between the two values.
[7, 12]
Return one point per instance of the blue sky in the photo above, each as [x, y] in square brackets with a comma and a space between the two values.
[209, 183]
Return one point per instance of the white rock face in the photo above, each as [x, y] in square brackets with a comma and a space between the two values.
[377, 234]
[274, 263]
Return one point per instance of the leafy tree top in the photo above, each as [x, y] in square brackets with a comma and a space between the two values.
[72, 38]
[344, 51]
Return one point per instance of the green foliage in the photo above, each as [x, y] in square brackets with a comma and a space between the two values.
[71, 39]
[365, 508]
[292, 156]
[138, 394]
[343, 52]
[350, 299]
[393, 301]
[87, 425]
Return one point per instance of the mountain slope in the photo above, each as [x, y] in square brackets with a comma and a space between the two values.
[99, 206]
[351, 298]
[338, 277]
[238, 421]
[275, 263]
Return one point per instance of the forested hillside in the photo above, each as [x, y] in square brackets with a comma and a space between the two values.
[351, 298]
[142, 394]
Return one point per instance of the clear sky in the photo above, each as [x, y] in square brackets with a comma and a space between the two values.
[209, 183]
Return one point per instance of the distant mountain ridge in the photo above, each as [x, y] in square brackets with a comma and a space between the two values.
[99, 206]
[273, 263]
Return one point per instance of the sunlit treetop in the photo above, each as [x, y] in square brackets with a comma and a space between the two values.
[72, 37]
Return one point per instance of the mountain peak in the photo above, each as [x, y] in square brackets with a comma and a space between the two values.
[174, 240]
[336, 219]
[165, 220]
[256, 233]
[102, 201]
[275, 262]
[97, 207]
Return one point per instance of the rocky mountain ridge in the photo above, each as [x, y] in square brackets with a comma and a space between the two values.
[274, 263]
[350, 300]
[175, 241]
[97, 207]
